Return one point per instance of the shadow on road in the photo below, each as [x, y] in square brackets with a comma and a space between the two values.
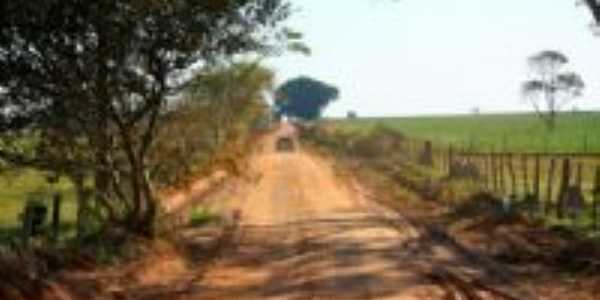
[332, 258]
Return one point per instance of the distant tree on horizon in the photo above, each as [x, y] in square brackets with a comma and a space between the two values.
[550, 87]
[352, 115]
[304, 97]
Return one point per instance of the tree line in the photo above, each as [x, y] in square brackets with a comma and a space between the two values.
[105, 91]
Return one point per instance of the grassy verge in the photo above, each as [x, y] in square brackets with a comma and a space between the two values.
[384, 150]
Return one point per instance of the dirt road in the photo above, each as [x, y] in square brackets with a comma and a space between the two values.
[304, 234]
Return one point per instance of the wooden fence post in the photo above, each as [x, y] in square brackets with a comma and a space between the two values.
[564, 186]
[513, 177]
[438, 156]
[490, 179]
[450, 159]
[502, 182]
[549, 186]
[579, 175]
[446, 153]
[484, 172]
[536, 179]
[426, 156]
[525, 174]
[596, 197]
[495, 171]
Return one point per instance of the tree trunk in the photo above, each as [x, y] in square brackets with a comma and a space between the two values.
[102, 181]
[149, 217]
[142, 216]
[142, 221]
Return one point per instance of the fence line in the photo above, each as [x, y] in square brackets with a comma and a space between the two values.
[526, 178]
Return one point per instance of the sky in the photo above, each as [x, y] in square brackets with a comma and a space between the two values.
[415, 57]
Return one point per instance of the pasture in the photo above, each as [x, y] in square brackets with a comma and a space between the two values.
[513, 155]
[16, 187]
[575, 131]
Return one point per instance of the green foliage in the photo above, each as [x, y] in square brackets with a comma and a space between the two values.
[574, 132]
[86, 84]
[305, 97]
[201, 216]
[295, 44]
[230, 94]
[550, 86]
[221, 105]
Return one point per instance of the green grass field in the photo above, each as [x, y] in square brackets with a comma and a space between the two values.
[575, 132]
[526, 133]
[17, 187]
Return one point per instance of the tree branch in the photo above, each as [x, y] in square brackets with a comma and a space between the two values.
[594, 6]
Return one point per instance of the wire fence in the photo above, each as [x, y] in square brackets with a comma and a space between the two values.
[558, 186]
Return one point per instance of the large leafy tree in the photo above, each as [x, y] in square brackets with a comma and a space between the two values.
[304, 97]
[550, 86]
[211, 123]
[228, 91]
[101, 72]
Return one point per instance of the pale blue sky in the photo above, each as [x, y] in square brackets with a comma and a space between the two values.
[408, 57]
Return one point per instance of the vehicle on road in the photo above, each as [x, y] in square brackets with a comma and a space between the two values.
[285, 144]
